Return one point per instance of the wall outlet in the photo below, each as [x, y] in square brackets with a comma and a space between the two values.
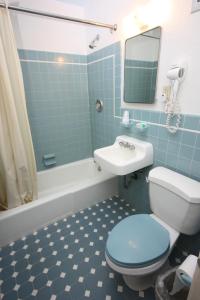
[166, 91]
[195, 5]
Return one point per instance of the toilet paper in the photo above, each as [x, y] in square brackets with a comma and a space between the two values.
[188, 266]
[184, 274]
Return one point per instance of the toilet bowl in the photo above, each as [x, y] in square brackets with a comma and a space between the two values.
[132, 257]
[138, 247]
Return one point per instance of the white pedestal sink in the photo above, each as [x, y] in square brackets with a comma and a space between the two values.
[125, 156]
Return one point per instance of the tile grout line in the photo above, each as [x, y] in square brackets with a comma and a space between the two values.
[52, 62]
[161, 125]
[143, 68]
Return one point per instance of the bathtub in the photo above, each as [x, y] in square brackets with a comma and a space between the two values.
[63, 190]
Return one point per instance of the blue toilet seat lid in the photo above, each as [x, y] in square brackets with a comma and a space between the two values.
[137, 241]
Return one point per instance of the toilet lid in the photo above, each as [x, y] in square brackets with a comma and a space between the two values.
[137, 241]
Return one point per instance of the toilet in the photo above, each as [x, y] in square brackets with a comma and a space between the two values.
[138, 247]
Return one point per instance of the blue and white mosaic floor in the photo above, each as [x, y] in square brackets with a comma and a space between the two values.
[65, 260]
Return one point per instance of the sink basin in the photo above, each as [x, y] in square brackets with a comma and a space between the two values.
[125, 156]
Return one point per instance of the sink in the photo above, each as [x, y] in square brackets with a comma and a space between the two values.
[125, 156]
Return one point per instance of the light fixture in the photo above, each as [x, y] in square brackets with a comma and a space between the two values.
[60, 59]
[143, 26]
[153, 13]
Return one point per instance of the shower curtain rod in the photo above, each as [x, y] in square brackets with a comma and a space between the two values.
[61, 17]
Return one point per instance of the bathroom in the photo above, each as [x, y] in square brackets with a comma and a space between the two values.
[70, 133]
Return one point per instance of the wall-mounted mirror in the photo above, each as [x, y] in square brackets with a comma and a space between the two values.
[140, 66]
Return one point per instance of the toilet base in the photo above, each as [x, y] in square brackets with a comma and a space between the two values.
[140, 283]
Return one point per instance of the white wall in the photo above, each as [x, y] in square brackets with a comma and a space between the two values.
[180, 40]
[47, 34]
[111, 12]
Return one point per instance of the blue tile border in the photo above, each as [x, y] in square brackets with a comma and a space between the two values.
[51, 56]
[188, 122]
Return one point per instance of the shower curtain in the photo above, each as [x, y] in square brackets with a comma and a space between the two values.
[18, 183]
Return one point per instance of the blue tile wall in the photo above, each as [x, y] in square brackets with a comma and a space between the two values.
[58, 105]
[140, 81]
[104, 83]
[179, 152]
[61, 105]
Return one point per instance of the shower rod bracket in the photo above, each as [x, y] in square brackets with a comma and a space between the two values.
[114, 28]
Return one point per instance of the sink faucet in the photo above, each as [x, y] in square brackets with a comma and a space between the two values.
[127, 145]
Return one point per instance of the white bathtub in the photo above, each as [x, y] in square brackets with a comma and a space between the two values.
[62, 190]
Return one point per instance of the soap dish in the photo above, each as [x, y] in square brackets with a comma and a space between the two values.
[49, 160]
[142, 126]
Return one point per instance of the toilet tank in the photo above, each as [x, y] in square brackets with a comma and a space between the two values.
[175, 199]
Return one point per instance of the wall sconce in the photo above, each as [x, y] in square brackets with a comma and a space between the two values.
[140, 24]
[147, 16]
[154, 13]
[131, 26]
[60, 59]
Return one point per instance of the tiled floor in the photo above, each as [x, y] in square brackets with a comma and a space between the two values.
[66, 259]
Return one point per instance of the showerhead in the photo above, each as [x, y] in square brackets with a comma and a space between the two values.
[92, 45]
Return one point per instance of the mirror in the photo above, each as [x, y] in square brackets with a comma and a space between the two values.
[140, 66]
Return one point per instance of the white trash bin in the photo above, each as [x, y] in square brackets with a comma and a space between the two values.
[164, 284]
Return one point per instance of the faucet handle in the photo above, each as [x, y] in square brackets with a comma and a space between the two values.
[132, 147]
[127, 145]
